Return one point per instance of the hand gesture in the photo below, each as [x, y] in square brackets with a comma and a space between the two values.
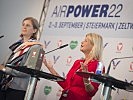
[25, 44]
[84, 67]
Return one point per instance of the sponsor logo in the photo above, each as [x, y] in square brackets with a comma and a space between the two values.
[47, 90]
[73, 44]
[119, 47]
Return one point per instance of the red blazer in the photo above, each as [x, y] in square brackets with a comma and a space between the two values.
[75, 84]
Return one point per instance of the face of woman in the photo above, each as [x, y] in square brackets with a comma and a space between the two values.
[27, 28]
[86, 46]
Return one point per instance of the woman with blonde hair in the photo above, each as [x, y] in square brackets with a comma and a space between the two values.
[74, 86]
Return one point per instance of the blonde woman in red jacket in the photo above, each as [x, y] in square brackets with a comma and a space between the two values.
[76, 87]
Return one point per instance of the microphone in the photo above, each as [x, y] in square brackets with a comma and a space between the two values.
[1, 36]
[63, 46]
[57, 48]
[116, 59]
[107, 87]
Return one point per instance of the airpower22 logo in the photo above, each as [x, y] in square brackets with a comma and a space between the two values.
[94, 10]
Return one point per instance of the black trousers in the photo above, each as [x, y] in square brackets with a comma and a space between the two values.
[12, 94]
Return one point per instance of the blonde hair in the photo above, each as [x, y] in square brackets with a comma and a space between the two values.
[97, 42]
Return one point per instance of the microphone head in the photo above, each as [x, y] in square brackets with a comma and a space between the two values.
[1, 36]
[63, 46]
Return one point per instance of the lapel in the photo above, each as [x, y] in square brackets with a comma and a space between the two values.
[18, 55]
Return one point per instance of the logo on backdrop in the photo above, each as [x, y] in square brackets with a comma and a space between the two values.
[46, 43]
[47, 90]
[73, 44]
[115, 64]
[69, 60]
[99, 10]
[55, 58]
[59, 43]
[89, 11]
[119, 47]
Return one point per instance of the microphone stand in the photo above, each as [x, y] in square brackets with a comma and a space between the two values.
[116, 59]
[107, 87]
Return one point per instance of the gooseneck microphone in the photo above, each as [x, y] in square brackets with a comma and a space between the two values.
[107, 87]
[116, 59]
[57, 48]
